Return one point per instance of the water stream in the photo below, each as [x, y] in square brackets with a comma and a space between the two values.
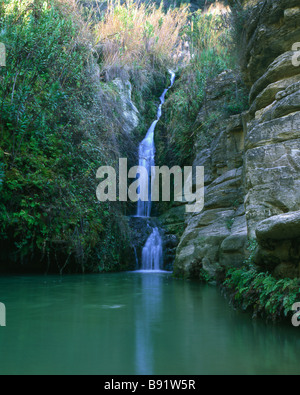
[152, 254]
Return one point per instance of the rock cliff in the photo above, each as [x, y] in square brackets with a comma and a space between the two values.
[272, 135]
[252, 162]
[218, 235]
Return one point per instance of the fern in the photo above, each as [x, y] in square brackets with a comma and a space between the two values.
[263, 294]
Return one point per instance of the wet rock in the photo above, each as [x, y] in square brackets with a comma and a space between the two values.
[141, 229]
[173, 225]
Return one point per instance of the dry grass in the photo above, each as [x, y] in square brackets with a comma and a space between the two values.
[138, 35]
[218, 8]
[83, 21]
[210, 30]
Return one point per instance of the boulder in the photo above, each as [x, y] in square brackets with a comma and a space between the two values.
[280, 227]
[279, 245]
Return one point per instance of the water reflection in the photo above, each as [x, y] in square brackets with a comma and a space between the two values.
[135, 323]
[148, 315]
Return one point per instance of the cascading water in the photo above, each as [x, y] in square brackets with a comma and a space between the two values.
[146, 159]
[152, 255]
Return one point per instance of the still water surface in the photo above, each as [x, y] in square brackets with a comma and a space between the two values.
[135, 323]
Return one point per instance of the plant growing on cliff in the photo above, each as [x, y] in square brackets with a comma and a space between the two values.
[54, 122]
[239, 20]
[209, 38]
[262, 293]
[238, 100]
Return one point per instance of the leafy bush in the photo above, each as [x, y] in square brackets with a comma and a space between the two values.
[238, 100]
[57, 125]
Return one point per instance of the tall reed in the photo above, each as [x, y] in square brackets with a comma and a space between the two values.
[139, 35]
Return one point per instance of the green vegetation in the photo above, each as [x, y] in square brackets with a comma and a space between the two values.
[229, 223]
[57, 128]
[61, 119]
[241, 14]
[211, 48]
[263, 294]
[135, 37]
[237, 101]
[1, 175]
[249, 289]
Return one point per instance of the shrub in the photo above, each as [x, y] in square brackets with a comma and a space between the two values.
[208, 35]
[57, 125]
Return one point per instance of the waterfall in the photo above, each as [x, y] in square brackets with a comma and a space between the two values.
[152, 255]
[147, 158]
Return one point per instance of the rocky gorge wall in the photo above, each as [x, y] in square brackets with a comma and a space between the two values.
[252, 160]
[218, 235]
[272, 145]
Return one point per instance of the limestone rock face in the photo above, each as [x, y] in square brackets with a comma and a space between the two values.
[218, 235]
[279, 227]
[130, 112]
[273, 26]
[252, 163]
[279, 244]
[272, 136]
